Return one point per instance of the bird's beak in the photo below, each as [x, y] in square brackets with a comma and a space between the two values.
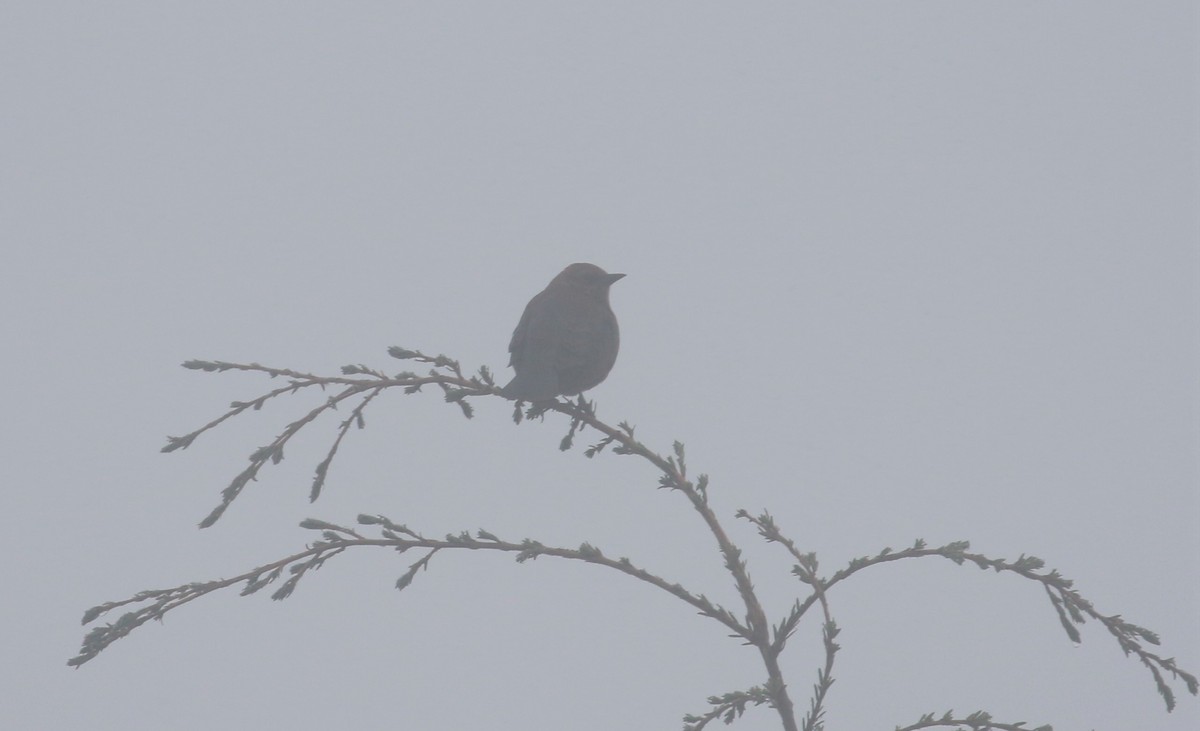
[614, 277]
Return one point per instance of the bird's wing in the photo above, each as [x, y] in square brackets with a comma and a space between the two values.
[582, 342]
[516, 346]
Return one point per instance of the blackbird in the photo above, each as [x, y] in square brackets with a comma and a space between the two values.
[567, 339]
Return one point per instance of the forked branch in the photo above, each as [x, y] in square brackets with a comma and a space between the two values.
[358, 386]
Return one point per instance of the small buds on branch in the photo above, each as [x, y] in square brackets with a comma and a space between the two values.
[336, 539]
[357, 381]
[359, 385]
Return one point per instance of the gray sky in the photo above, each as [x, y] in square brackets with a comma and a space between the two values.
[896, 270]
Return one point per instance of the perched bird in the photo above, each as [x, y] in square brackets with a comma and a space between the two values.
[567, 339]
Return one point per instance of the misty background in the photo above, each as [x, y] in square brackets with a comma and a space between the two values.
[895, 271]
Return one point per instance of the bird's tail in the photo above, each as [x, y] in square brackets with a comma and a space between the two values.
[536, 384]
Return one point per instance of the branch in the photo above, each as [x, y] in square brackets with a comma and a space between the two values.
[727, 707]
[336, 539]
[674, 477]
[365, 384]
[977, 721]
[446, 374]
[806, 567]
[1071, 607]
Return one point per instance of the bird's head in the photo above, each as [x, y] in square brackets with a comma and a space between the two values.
[586, 277]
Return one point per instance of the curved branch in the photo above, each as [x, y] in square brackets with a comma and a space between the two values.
[1071, 607]
[674, 477]
[335, 540]
[447, 375]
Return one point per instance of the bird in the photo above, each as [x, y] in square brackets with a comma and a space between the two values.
[567, 339]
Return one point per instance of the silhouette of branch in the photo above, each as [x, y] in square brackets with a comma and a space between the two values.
[806, 567]
[360, 385]
[674, 477]
[1071, 607]
[977, 721]
[355, 380]
[727, 707]
[335, 539]
[446, 373]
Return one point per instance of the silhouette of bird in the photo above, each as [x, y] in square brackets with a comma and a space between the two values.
[567, 339]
